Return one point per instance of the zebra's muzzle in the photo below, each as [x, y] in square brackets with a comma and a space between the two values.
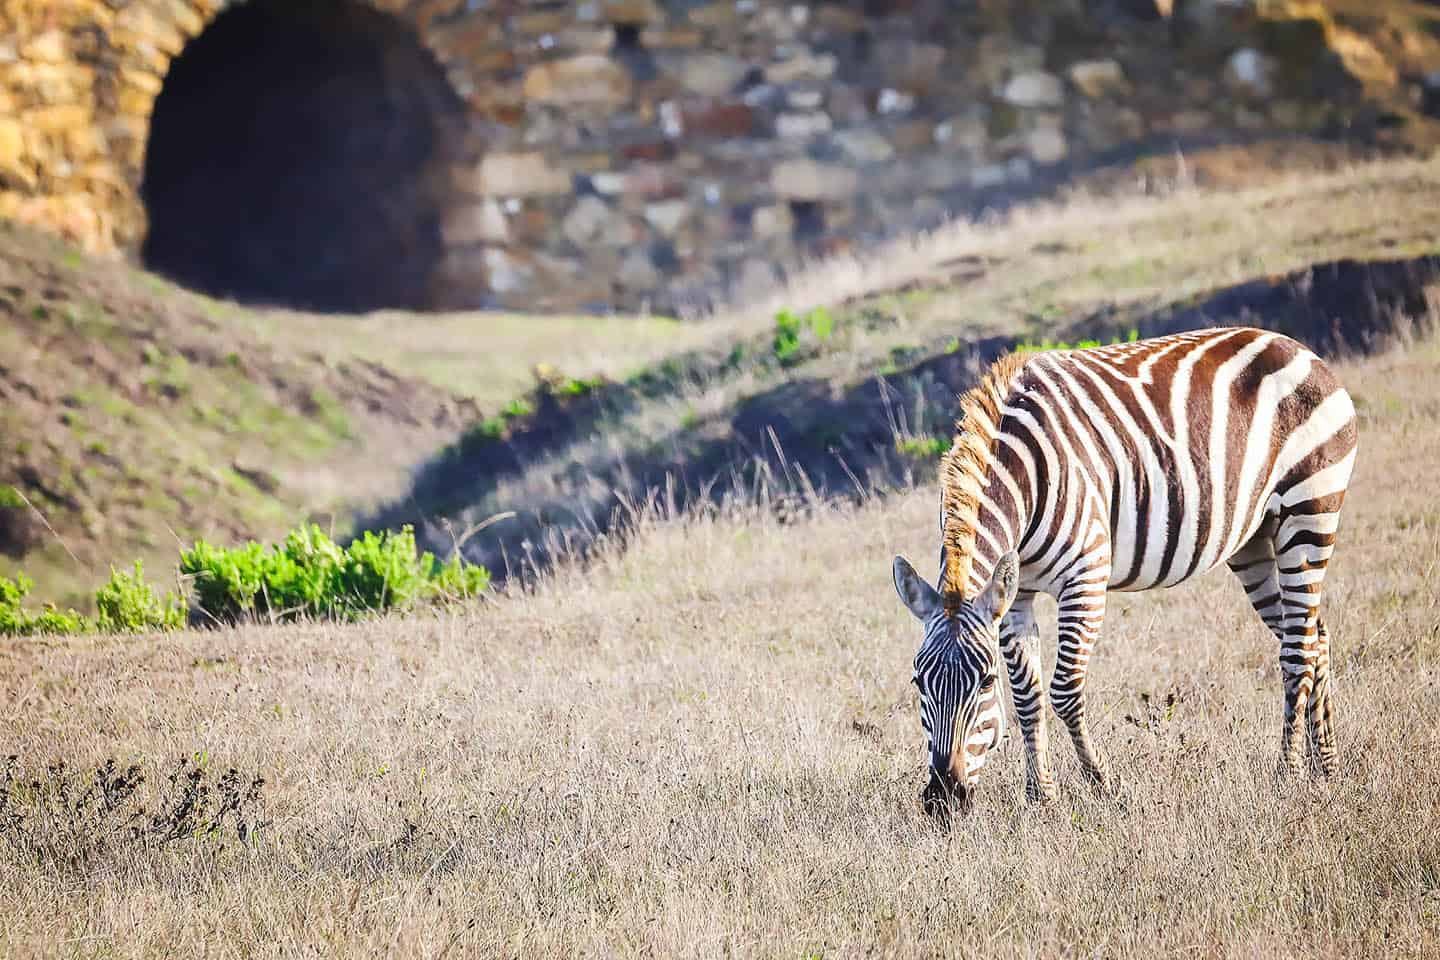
[945, 795]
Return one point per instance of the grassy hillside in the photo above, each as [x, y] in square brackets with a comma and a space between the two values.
[133, 413]
[707, 744]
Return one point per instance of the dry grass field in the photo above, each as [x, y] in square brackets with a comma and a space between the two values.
[706, 744]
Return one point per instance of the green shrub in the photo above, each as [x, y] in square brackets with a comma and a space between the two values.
[127, 604]
[311, 576]
[790, 329]
[787, 337]
[16, 621]
[922, 448]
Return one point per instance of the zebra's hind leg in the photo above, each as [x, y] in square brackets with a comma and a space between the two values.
[1321, 711]
[1082, 610]
[1283, 570]
[1019, 636]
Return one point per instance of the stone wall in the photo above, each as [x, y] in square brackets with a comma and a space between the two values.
[624, 152]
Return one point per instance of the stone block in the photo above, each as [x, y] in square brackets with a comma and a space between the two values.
[585, 79]
[638, 271]
[1034, 88]
[772, 221]
[631, 11]
[718, 119]
[667, 216]
[1099, 78]
[474, 224]
[805, 179]
[804, 65]
[521, 175]
[709, 74]
[1046, 145]
[864, 146]
[802, 126]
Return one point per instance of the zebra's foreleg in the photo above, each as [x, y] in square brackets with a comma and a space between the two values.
[1082, 610]
[1019, 643]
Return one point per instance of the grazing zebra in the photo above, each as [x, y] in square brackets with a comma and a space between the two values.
[1125, 467]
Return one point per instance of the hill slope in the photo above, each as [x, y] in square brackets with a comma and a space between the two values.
[133, 413]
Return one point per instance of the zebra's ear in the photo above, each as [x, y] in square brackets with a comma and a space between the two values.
[1000, 592]
[919, 596]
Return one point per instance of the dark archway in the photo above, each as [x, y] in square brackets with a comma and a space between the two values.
[299, 154]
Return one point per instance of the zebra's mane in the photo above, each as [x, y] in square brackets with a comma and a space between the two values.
[963, 469]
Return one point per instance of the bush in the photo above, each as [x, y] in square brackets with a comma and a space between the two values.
[15, 621]
[127, 604]
[311, 576]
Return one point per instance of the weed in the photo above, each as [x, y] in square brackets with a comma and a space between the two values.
[922, 448]
[1027, 346]
[74, 823]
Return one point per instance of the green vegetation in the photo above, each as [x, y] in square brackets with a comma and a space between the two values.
[310, 576]
[1026, 346]
[126, 604]
[790, 329]
[922, 448]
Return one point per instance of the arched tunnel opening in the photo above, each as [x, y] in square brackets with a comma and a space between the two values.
[300, 153]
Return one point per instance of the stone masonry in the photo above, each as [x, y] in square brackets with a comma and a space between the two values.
[632, 152]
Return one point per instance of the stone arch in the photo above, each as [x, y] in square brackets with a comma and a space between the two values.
[302, 152]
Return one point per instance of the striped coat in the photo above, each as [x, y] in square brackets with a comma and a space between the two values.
[1126, 467]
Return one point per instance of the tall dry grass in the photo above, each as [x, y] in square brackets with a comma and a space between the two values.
[706, 745]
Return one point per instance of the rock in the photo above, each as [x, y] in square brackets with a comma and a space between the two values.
[1099, 78]
[1250, 71]
[894, 101]
[608, 183]
[638, 271]
[1034, 88]
[805, 99]
[47, 47]
[13, 171]
[772, 221]
[801, 126]
[718, 119]
[802, 66]
[808, 180]
[483, 222]
[631, 11]
[667, 216]
[864, 146]
[585, 79]
[711, 74]
[585, 220]
[1046, 145]
[990, 175]
[506, 272]
[522, 175]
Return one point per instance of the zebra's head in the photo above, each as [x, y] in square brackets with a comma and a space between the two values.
[957, 673]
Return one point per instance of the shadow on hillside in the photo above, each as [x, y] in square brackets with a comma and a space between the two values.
[804, 441]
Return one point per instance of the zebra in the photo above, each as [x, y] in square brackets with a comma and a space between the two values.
[1124, 467]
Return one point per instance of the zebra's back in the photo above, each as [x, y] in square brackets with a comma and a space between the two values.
[1174, 450]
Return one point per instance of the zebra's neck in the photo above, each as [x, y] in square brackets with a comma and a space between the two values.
[977, 527]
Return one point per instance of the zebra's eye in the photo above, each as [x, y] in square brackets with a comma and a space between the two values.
[987, 684]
